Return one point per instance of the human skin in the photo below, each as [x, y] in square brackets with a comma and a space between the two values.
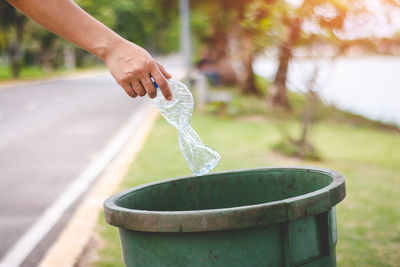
[130, 65]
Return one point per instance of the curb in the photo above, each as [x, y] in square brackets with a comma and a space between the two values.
[73, 239]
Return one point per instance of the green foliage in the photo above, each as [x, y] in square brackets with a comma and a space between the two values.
[148, 24]
[102, 10]
[12, 24]
[152, 24]
[262, 19]
[200, 24]
[3, 41]
[8, 15]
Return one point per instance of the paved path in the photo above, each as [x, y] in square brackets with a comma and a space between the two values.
[49, 133]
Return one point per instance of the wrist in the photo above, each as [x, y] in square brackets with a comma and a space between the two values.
[105, 48]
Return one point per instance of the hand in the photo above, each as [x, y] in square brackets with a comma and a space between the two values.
[132, 67]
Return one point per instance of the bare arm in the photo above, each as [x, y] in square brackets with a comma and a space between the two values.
[130, 65]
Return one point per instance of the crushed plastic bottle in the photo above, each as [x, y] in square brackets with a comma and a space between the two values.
[178, 112]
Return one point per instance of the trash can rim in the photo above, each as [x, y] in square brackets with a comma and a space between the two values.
[293, 208]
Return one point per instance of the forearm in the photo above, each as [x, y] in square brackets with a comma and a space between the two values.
[131, 66]
[68, 20]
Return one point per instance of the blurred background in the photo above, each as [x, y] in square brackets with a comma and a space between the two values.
[355, 42]
[276, 82]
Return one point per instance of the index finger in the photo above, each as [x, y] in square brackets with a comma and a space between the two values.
[161, 82]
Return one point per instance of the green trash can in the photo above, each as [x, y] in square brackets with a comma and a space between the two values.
[255, 217]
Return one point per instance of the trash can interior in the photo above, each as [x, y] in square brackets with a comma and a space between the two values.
[224, 190]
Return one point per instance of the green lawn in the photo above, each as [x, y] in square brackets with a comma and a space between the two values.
[36, 72]
[368, 218]
[26, 72]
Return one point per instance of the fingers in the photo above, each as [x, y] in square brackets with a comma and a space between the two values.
[149, 86]
[129, 90]
[139, 81]
[134, 94]
[138, 87]
[162, 83]
[163, 71]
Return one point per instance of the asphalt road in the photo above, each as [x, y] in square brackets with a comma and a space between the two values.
[49, 133]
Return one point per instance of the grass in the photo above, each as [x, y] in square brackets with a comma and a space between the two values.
[36, 72]
[26, 72]
[368, 156]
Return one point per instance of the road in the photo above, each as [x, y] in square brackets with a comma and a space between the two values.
[50, 133]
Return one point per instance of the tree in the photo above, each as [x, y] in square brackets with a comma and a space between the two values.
[310, 85]
[139, 21]
[13, 21]
[215, 35]
[256, 20]
[292, 18]
[232, 31]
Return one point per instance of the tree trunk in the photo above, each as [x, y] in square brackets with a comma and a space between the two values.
[247, 81]
[69, 56]
[304, 143]
[45, 59]
[218, 51]
[47, 52]
[15, 48]
[278, 95]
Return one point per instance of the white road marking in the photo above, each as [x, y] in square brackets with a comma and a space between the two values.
[32, 237]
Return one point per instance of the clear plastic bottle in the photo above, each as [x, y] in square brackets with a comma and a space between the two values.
[178, 112]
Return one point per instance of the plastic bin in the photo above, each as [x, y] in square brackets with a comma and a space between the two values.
[255, 217]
